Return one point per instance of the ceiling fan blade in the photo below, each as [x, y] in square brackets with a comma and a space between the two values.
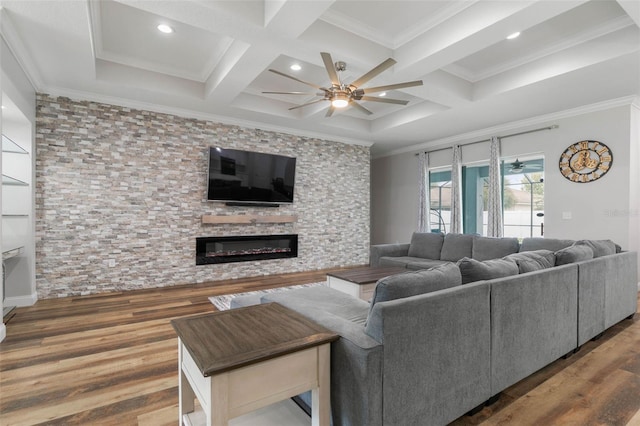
[392, 86]
[360, 107]
[308, 103]
[292, 93]
[385, 100]
[331, 68]
[330, 111]
[296, 79]
[374, 72]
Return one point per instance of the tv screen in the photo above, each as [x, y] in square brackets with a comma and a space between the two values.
[250, 177]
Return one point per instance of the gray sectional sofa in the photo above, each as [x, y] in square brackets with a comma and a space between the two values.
[428, 348]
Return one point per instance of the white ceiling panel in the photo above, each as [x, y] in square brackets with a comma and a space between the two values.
[216, 63]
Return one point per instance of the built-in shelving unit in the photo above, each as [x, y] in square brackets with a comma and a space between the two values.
[247, 219]
[17, 229]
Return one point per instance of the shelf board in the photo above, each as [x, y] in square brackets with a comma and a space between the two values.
[10, 146]
[8, 180]
[247, 219]
[11, 253]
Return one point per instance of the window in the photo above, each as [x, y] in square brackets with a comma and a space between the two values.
[440, 195]
[522, 199]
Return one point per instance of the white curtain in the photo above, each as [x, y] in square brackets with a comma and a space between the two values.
[494, 201]
[456, 191]
[424, 224]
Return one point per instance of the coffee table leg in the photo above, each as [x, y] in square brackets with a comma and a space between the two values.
[320, 397]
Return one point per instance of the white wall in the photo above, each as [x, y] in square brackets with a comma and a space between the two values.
[604, 209]
[634, 179]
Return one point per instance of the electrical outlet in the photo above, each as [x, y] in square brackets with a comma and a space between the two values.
[112, 263]
[566, 215]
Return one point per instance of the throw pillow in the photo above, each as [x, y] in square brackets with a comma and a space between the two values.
[456, 246]
[599, 247]
[529, 261]
[474, 270]
[485, 248]
[574, 253]
[426, 245]
[412, 283]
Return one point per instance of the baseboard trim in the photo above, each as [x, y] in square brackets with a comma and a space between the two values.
[3, 331]
[20, 301]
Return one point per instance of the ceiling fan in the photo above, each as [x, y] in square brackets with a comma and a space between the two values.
[518, 166]
[341, 94]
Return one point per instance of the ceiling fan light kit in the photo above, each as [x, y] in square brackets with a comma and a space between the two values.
[341, 95]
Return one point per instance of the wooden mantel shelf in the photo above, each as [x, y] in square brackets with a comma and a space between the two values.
[247, 219]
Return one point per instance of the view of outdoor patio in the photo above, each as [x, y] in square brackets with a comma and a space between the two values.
[522, 199]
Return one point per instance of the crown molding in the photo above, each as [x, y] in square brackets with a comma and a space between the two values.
[633, 100]
[19, 51]
[188, 113]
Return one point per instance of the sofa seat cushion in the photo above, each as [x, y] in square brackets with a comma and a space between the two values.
[426, 245]
[599, 247]
[409, 262]
[485, 248]
[456, 246]
[573, 254]
[416, 282]
[529, 261]
[425, 264]
[475, 270]
[538, 243]
[321, 298]
[401, 261]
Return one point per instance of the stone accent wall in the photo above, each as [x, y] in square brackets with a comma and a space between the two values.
[120, 194]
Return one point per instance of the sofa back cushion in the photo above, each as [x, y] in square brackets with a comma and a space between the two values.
[426, 245]
[412, 283]
[485, 248]
[537, 243]
[456, 246]
[529, 261]
[573, 254]
[599, 247]
[475, 270]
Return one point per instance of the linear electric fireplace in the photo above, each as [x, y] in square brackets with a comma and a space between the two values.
[245, 248]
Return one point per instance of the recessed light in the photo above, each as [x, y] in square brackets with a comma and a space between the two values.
[383, 94]
[164, 28]
[295, 67]
[514, 35]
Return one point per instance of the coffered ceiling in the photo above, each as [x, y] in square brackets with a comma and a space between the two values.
[570, 53]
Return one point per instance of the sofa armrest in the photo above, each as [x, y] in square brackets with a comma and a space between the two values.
[381, 250]
[438, 343]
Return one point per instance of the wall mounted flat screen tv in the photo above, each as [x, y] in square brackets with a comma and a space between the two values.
[250, 177]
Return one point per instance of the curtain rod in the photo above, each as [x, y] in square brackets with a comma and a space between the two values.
[555, 126]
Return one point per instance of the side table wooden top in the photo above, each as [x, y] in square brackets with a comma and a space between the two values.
[367, 275]
[226, 340]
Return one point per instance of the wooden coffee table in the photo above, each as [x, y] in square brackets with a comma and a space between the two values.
[243, 359]
[361, 282]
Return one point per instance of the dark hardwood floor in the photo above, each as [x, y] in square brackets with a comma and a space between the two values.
[112, 359]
